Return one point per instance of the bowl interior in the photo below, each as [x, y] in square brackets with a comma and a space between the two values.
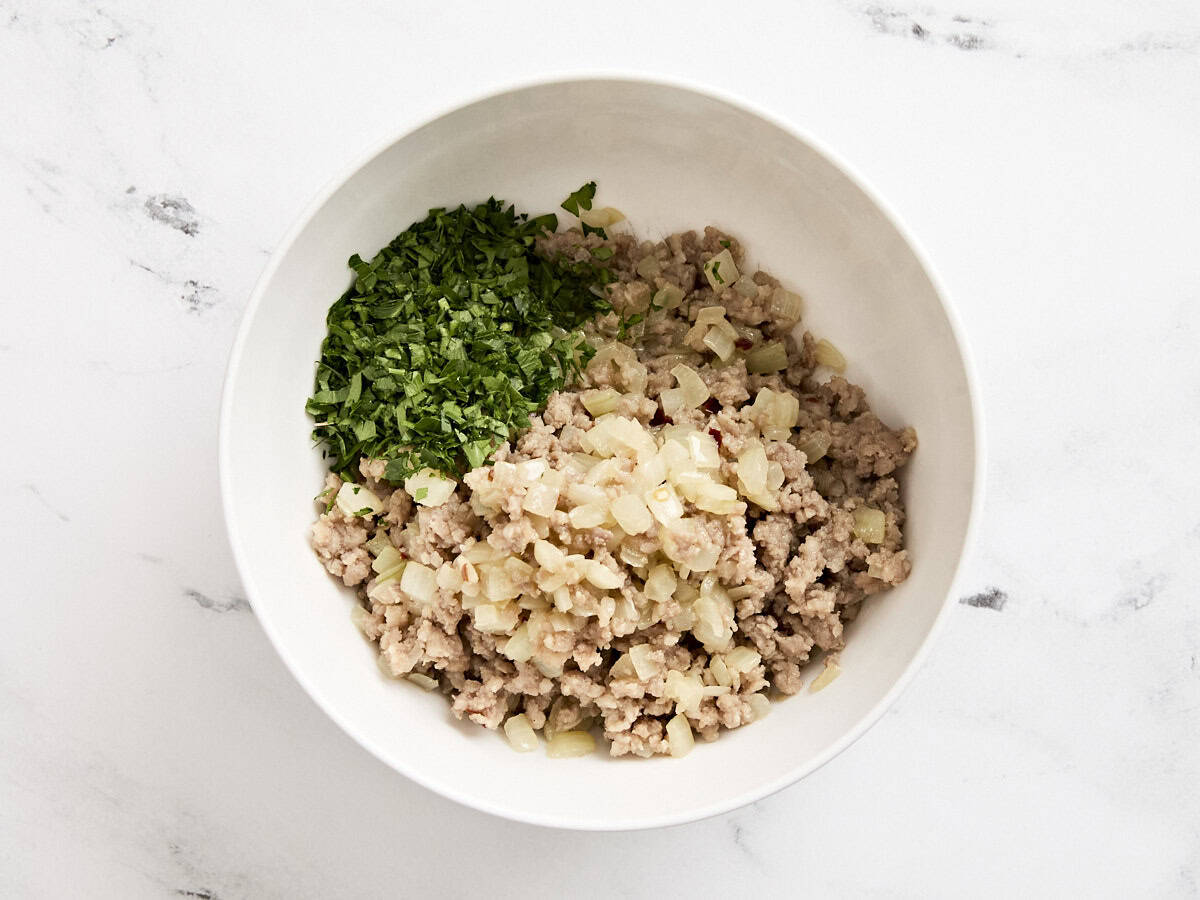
[671, 159]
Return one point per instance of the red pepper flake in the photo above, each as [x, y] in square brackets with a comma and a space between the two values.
[716, 435]
[743, 343]
[658, 418]
[711, 405]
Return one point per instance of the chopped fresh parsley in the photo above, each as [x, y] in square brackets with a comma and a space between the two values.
[580, 199]
[449, 338]
[724, 242]
[716, 270]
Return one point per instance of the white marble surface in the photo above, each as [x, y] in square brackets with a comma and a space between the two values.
[151, 155]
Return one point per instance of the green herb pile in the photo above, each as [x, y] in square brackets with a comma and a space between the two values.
[449, 339]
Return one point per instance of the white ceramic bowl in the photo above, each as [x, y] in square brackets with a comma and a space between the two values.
[671, 158]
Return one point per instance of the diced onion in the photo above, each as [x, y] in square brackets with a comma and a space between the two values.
[422, 681]
[428, 488]
[674, 451]
[378, 543]
[623, 669]
[828, 355]
[377, 591]
[498, 585]
[602, 576]
[785, 306]
[760, 705]
[719, 342]
[766, 358]
[870, 525]
[710, 315]
[690, 482]
[385, 666]
[721, 271]
[686, 690]
[535, 600]
[679, 736]
[672, 402]
[746, 287]
[632, 556]
[355, 500]
[532, 469]
[719, 499]
[540, 499]
[639, 655]
[694, 390]
[494, 618]
[419, 582]
[482, 552]
[579, 493]
[597, 403]
[664, 504]
[720, 671]
[635, 375]
[520, 733]
[602, 217]
[631, 514]
[585, 461]
[519, 647]
[387, 560]
[562, 598]
[549, 581]
[649, 474]
[752, 468]
[714, 620]
[548, 556]
[742, 659]
[814, 445]
[704, 451]
[589, 515]
[361, 618]
[831, 671]
[660, 585]
[682, 620]
[669, 296]
[570, 743]
[786, 412]
[743, 333]
[613, 351]
[648, 267]
[776, 409]
[774, 476]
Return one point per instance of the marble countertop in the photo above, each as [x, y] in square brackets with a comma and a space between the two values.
[153, 745]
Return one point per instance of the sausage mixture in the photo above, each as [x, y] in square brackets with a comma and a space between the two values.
[624, 566]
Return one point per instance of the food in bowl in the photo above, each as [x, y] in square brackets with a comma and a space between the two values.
[585, 483]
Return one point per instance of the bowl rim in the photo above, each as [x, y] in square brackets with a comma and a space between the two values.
[868, 719]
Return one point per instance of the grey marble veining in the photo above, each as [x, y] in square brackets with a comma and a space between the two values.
[152, 743]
